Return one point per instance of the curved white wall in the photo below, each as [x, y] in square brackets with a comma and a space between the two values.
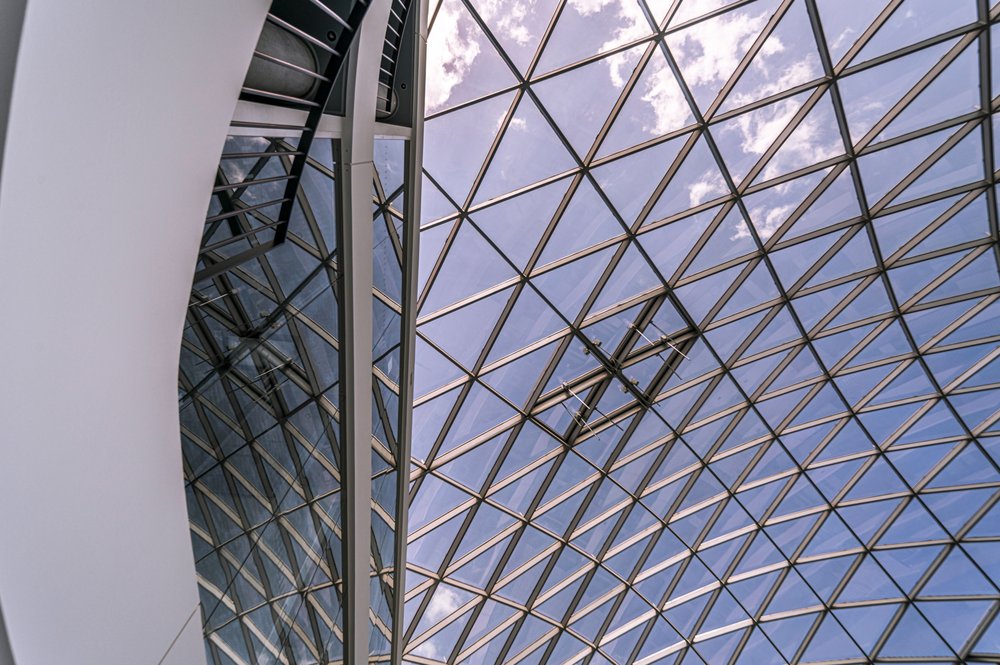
[118, 115]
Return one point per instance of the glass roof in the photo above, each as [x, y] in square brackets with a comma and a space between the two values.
[260, 411]
[708, 334]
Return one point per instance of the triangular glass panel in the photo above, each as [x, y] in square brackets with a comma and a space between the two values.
[957, 576]
[956, 509]
[788, 634]
[869, 94]
[949, 365]
[831, 642]
[788, 58]
[953, 93]
[866, 624]
[519, 495]
[980, 274]
[757, 288]
[518, 32]
[709, 51]
[770, 208]
[896, 229]
[914, 524]
[462, 63]
[844, 21]
[629, 181]
[631, 277]
[516, 379]
[696, 181]
[758, 649]
[793, 262]
[586, 221]
[744, 139]
[869, 303]
[882, 170]
[955, 621]
[962, 164]
[431, 242]
[656, 106]
[471, 266]
[916, 20]
[855, 256]
[568, 286]
[730, 239]
[831, 479]
[833, 536]
[481, 411]
[457, 143]
[472, 468]
[516, 225]
[913, 637]
[837, 203]
[528, 152]
[912, 382]
[970, 223]
[702, 295]
[530, 320]
[815, 139]
[585, 30]
[463, 332]
[580, 100]
[480, 569]
[667, 246]
[878, 480]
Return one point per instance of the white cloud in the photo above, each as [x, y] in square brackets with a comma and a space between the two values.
[665, 98]
[454, 42]
[508, 18]
[660, 89]
[806, 145]
[710, 51]
[759, 129]
[740, 230]
[766, 221]
[707, 54]
[845, 37]
[444, 602]
[706, 188]
[451, 50]
[588, 7]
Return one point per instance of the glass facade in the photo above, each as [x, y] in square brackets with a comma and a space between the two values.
[260, 405]
[707, 338]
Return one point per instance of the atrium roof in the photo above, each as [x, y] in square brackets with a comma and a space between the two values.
[708, 334]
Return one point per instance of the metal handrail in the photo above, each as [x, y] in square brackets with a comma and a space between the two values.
[298, 157]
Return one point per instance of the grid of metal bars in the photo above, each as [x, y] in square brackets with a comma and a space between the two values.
[708, 335]
[260, 420]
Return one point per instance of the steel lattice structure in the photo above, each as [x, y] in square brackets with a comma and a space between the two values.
[291, 396]
[708, 334]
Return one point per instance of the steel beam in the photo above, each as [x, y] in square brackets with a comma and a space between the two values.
[408, 337]
[356, 171]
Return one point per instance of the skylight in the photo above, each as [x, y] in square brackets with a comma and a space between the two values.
[707, 335]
